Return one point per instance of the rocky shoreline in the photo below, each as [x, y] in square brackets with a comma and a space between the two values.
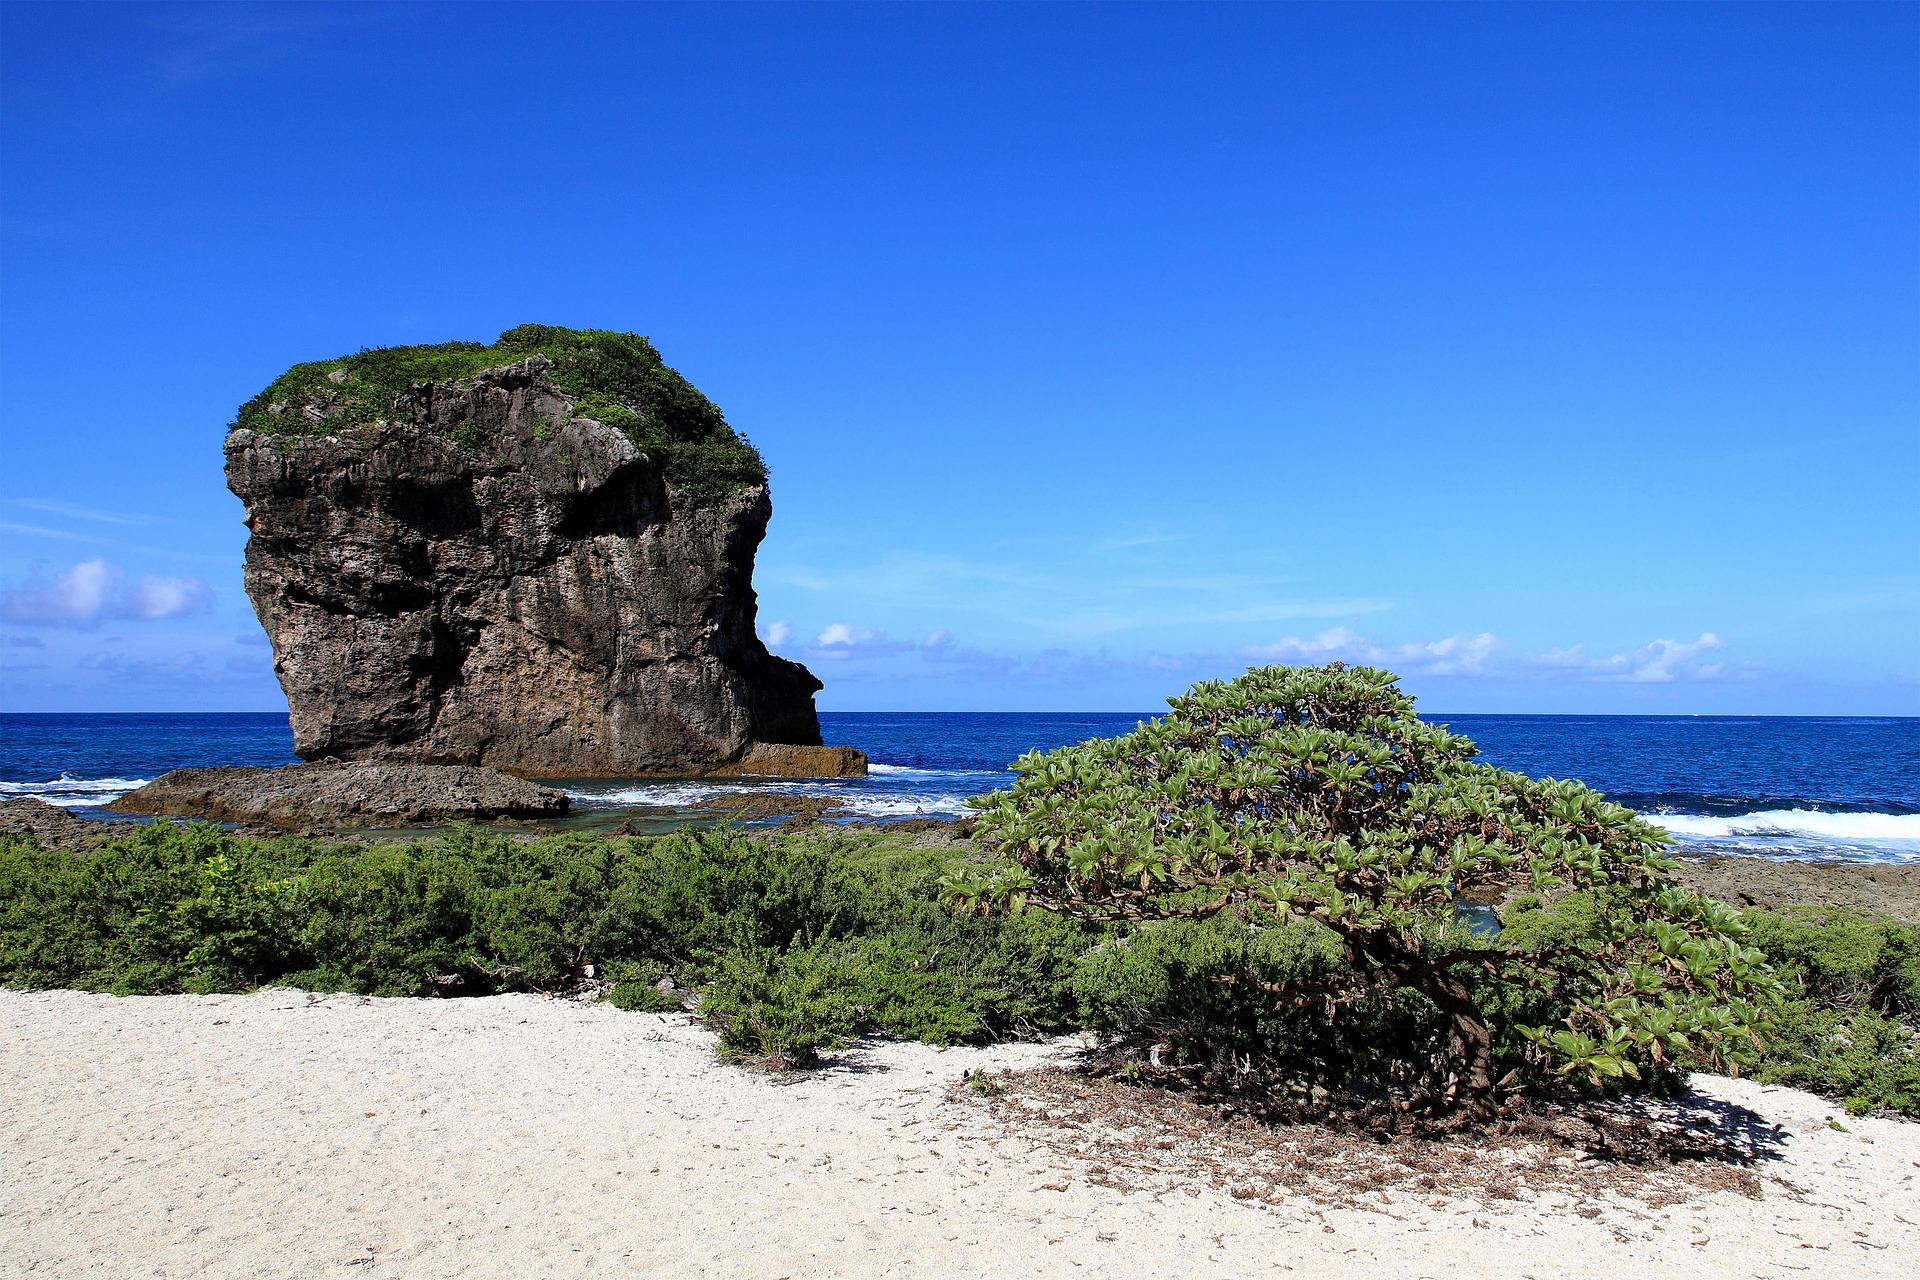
[1887, 889]
[51, 827]
[345, 794]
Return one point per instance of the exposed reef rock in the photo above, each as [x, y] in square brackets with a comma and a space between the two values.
[340, 793]
[486, 574]
[773, 760]
[1884, 888]
[51, 827]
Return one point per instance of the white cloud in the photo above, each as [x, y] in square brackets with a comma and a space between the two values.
[1657, 662]
[778, 634]
[841, 641]
[876, 650]
[158, 596]
[1462, 654]
[94, 590]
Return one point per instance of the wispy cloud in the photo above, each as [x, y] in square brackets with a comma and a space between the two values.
[1132, 542]
[145, 547]
[1657, 662]
[1071, 599]
[94, 590]
[868, 654]
[868, 649]
[1463, 654]
[80, 513]
[41, 531]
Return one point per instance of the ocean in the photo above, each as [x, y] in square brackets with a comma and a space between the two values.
[1844, 788]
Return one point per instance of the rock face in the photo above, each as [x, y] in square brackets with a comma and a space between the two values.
[339, 793]
[488, 579]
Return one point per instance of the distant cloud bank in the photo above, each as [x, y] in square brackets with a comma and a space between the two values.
[1656, 662]
[1462, 654]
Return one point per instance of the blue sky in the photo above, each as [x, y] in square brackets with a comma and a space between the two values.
[1561, 358]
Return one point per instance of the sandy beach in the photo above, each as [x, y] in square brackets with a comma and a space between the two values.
[279, 1134]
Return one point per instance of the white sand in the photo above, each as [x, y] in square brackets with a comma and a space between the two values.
[280, 1135]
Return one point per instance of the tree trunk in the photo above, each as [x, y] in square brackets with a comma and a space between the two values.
[1472, 1042]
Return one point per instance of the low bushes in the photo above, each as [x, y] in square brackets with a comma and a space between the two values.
[1851, 1030]
[795, 943]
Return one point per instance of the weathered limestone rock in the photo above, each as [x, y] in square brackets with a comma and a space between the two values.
[341, 793]
[1884, 888]
[490, 580]
[52, 827]
[776, 760]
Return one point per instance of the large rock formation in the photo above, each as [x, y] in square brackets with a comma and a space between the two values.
[486, 574]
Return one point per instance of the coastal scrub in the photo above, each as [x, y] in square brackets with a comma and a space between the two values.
[1317, 798]
[790, 944]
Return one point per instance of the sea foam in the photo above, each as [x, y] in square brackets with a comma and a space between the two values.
[1861, 828]
[69, 790]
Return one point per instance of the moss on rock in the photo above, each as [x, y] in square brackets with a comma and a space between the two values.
[613, 377]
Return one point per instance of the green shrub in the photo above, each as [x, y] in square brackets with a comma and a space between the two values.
[796, 943]
[1316, 794]
[1851, 1029]
[637, 989]
[1848, 1028]
[846, 929]
[1865, 1060]
[785, 1007]
[616, 378]
[1176, 981]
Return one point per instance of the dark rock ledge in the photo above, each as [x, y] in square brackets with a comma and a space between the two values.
[333, 793]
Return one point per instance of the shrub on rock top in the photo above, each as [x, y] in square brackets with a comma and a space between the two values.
[1316, 794]
[612, 377]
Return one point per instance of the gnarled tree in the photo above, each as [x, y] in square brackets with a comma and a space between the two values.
[1316, 793]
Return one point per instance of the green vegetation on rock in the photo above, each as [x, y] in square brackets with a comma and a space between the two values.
[615, 378]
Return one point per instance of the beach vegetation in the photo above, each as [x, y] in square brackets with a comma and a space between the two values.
[1344, 844]
[792, 943]
[1851, 1026]
[615, 378]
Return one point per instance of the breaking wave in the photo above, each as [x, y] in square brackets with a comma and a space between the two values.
[1797, 833]
[69, 790]
[890, 791]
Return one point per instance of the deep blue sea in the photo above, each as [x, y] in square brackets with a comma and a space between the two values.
[1804, 787]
